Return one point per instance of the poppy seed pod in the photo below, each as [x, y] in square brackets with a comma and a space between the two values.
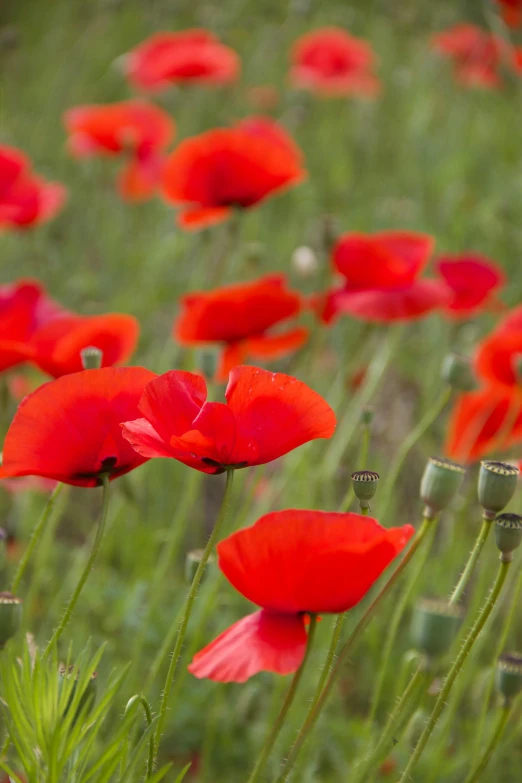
[458, 373]
[10, 617]
[440, 482]
[509, 675]
[508, 534]
[496, 485]
[435, 625]
[192, 561]
[367, 416]
[92, 358]
[89, 694]
[364, 485]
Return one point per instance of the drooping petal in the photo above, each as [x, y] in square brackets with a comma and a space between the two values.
[196, 219]
[383, 306]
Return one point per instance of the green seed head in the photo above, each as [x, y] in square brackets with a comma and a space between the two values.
[92, 358]
[364, 485]
[440, 482]
[458, 373]
[509, 675]
[192, 561]
[508, 534]
[496, 485]
[10, 617]
[434, 625]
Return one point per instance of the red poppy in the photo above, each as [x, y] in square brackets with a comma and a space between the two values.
[136, 128]
[332, 62]
[483, 422]
[69, 429]
[511, 11]
[210, 174]
[499, 356]
[381, 278]
[188, 57]
[472, 279]
[267, 415]
[25, 198]
[477, 54]
[239, 316]
[293, 563]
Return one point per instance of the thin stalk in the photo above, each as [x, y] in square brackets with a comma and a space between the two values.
[347, 500]
[188, 609]
[504, 716]
[289, 698]
[319, 703]
[456, 595]
[104, 478]
[138, 699]
[35, 538]
[455, 669]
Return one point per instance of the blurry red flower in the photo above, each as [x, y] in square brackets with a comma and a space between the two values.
[135, 128]
[332, 62]
[381, 274]
[511, 11]
[188, 57]
[472, 279]
[210, 174]
[292, 563]
[266, 415]
[69, 429]
[499, 356]
[477, 54]
[239, 316]
[25, 198]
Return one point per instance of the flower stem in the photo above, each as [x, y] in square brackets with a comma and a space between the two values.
[472, 561]
[191, 597]
[346, 502]
[104, 478]
[455, 669]
[318, 703]
[35, 538]
[497, 734]
[289, 698]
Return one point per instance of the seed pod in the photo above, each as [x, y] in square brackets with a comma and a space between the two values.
[441, 480]
[192, 561]
[458, 373]
[434, 626]
[496, 485]
[509, 675]
[10, 617]
[92, 358]
[365, 485]
[508, 534]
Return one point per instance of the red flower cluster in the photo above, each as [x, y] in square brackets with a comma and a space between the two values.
[266, 415]
[25, 198]
[294, 563]
[240, 316]
[332, 62]
[210, 174]
[188, 57]
[136, 128]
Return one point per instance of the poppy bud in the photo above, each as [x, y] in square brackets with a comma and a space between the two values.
[304, 261]
[365, 485]
[10, 617]
[441, 480]
[509, 675]
[496, 486]
[192, 561]
[91, 357]
[89, 694]
[508, 534]
[367, 416]
[458, 373]
[435, 625]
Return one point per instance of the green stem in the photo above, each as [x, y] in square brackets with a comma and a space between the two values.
[455, 669]
[104, 478]
[497, 734]
[188, 609]
[35, 538]
[138, 699]
[346, 502]
[318, 703]
[289, 698]
[472, 561]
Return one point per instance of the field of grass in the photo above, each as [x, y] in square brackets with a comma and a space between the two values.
[427, 156]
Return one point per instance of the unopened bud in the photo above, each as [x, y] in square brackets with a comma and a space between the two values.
[509, 675]
[304, 261]
[192, 561]
[458, 372]
[508, 534]
[92, 358]
[367, 416]
[435, 625]
[86, 701]
[440, 482]
[365, 486]
[496, 485]
[10, 617]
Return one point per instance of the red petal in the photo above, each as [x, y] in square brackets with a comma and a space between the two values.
[262, 641]
[212, 435]
[381, 306]
[140, 179]
[195, 219]
[497, 358]
[172, 401]
[278, 345]
[472, 278]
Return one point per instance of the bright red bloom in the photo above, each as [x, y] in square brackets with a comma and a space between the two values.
[136, 128]
[499, 356]
[293, 563]
[210, 174]
[511, 12]
[332, 62]
[381, 278]
[69, 429]
[25, 198]
[239, 316]
[188, 57]
[472, 279]
[267, 415]
[477, 54]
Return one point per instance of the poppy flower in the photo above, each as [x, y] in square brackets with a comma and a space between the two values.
[25, 198]
[188, 57]
[472, 279]
[136, 128]
[477, 54]
[69, 429]
[211, 174]
[291, 564]
[511, 11]
[240, 316]
[266, 415]
[499, 356]
[381, 273]
[331, 62]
